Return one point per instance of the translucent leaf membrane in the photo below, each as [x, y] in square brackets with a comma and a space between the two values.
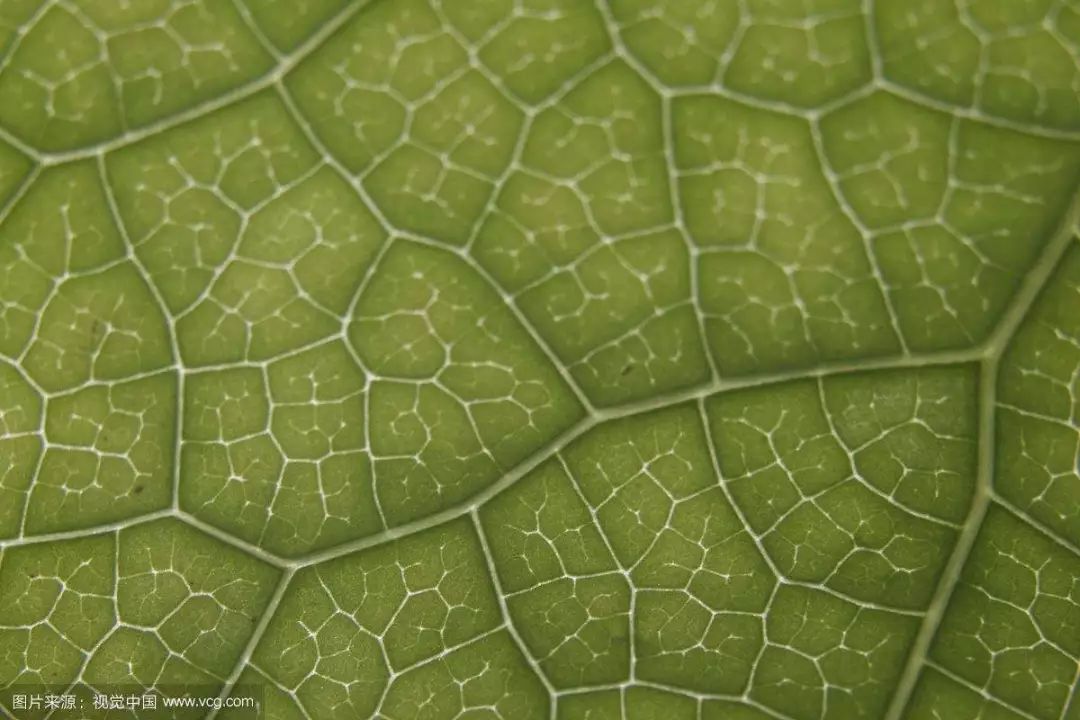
[412, 359]
[122, 66]
[1016, 61]
[155, 605]
[1039, 408]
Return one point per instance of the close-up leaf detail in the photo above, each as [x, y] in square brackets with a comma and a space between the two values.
[541, 359]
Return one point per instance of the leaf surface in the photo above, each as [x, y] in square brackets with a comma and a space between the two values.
[412, 359]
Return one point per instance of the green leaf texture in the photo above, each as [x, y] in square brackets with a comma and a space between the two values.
[542, 359]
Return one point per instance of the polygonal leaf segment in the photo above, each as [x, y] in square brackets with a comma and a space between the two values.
[785, 278]
[1038, 458]
[260, 254]
[187, 195]
[375, 631]
[463, 392]
[1011, 627]
[428, 115]
[288, 24]
[956, 212]
[279, 457]
[155, 605]
[800, 53]
[122, 66]
[575, 237]
[1014, 60]
[20, 445]
[108, 455]
[14, 167]
[623, 558]
[858, 482]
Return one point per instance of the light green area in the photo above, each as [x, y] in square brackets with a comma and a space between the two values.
[825, 657]
[155, 605]
[122, 66]
[487, 678]
[464, 393]
[567, 598]
[855, 482]
[616, 312]
[345, 625]
[804, 53]
[638, 499]
[59, 602]
[20, 447]
[937, 695]
[279, 458]
[274, 703]
[14, 167]
[186, 196]
[635, 703]
[1038, 457]
[1011, 627]
[288, 23]
[514, 359]
[62, 265]
[786, 280]
[430, 144]
[108, 455]
[957, 211]
[98, 327]
[14, 15]
[429, 131]
[1013, 60]
[77, 320]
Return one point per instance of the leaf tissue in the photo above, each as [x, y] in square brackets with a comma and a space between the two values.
[540, 359]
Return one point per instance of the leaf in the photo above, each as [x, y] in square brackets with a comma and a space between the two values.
[411, 359]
